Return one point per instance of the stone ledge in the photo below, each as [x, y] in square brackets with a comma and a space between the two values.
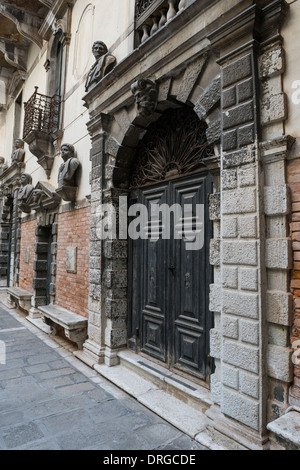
[285, 431]
[74, 325]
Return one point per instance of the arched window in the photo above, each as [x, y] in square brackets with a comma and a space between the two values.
[58, 67]
[55, 84]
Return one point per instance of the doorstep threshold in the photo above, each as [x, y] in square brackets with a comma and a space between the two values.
[184, 415]
[189, 392]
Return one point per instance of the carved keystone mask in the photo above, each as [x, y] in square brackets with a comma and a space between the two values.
[146, 94]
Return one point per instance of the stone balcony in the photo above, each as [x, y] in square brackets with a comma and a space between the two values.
[41, 127]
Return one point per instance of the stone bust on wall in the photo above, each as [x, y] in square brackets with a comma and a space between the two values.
[24, 192]
[18, 154]
[67, 187]
[105, 62]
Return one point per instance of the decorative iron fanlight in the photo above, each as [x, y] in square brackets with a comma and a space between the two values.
[174, 146]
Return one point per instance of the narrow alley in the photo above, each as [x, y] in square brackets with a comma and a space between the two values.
[49, 400]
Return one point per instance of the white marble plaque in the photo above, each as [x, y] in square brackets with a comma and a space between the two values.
[27, 254]
[71, 259]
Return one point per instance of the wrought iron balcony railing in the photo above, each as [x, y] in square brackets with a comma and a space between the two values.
[41, 114]
[151, 15]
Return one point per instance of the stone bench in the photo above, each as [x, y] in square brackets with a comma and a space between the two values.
[75, 326]
[17, 297]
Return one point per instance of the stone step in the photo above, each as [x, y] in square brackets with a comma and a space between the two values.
[285, 431]
[181, 388]
[173, 410]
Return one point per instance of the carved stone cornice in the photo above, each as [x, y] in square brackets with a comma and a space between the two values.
[99, 124]
[43, 197]
[47, 3]
[16, 82]
[11, 175]
[257, 23]
[56, 12]
[41, 145]
[274, 15]
[6, 208]
[245, 23]
[23, 22]
[3, 165]
[276, 149]
[14, 56]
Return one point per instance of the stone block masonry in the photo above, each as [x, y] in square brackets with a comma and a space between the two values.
[237, 342]
[27, 255]
[72, 288]
[250, 341]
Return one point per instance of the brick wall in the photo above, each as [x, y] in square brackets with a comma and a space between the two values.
[294, 182]
[72, 289]
[27, 242]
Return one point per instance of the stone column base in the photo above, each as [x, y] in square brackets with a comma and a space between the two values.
[232, 435]
[91, 353]
[111, 357]
[34, 313]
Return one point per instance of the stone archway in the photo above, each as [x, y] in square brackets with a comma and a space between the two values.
[254, 150]
[114, 142]
[168, 279]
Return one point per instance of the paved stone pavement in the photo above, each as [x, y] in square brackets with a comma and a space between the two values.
[49, 400]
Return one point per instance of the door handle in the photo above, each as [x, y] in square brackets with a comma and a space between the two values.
[187, 278]
[171, 268]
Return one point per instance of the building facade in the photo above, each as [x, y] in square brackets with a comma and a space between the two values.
[106, 110]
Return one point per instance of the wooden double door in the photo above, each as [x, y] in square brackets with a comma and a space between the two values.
[169, 278]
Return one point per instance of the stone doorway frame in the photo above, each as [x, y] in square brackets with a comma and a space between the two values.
[114, 141]
[254, 148]
[172, 120]
[45, 222]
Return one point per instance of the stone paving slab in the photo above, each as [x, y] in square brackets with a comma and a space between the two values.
[49, 400]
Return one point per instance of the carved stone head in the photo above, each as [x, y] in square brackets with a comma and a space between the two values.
[146, 94]
[19, 144]
[67, 151]
[36, 195]
[25, 179]
[99, 49]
